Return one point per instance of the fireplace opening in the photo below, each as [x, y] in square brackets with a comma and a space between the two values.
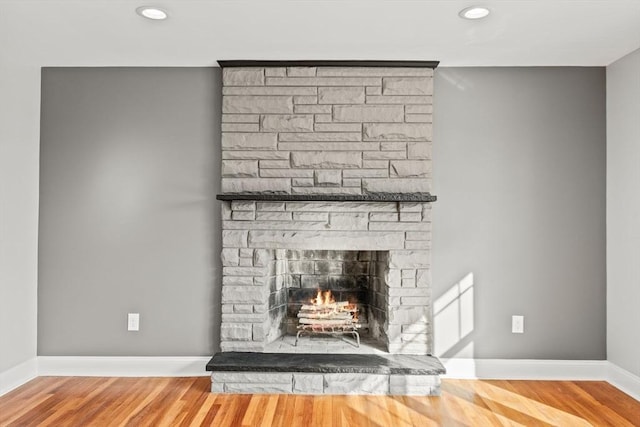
[328, 295]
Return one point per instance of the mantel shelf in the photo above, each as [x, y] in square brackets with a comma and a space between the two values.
[370, 197]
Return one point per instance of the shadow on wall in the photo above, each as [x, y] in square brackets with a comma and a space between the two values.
[453, 321]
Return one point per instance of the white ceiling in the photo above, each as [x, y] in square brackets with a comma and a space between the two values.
[198, 32]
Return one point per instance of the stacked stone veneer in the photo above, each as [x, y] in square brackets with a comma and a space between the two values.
[254, 262]
[338, 130]
[325, 130]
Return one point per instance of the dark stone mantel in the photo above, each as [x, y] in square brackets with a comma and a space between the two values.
[370, 197]
[326, 363]
[328, 63]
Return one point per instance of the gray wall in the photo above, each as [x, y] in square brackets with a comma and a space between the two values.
[128, 218]
[130, 168]
[623, 212]
[519, 168]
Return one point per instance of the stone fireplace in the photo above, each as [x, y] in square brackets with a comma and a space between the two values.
[326, 175]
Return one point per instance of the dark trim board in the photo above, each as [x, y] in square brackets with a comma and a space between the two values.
[371, 197]
[327, 63]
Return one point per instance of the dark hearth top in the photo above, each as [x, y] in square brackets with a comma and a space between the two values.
[329, 63]
[369, 197]
[326, 363]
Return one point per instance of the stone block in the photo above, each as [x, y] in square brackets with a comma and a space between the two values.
[255, 155]
[240, 118]
[396, 132]
[308, 383]
[373, 90]
[240, 331]
[229, 257]
[417, 244]
[331, 240]
[396, 185]
[341, 95]
[273, 216]
[302, 182]
[341, 206]
[217, 387]
[246, 104]
[241, 345]
[323, 81]
[329, 146]
[402, 292]
[407, 315]
[240, 168]
[348, 221]
[399, 99]
[418, 118]
[246, 252]
[417, 328]
[423, 278]
[249, 141]
[375, 164]
[311, 216]
[410, 207]
[225, 210]
[366, 173]
[408, 283]
[368, 113]
[286, 173]
[419, 109]
[234, 238]
[275, 71]
[383, 216]
[243, 308]
[242, 271]
[270, 206]
[252, 377]
[419, 150]
[242, 76]
[286, 123]
[262, 257]
[237, 280]
[258, 331]
[326, 160]
[383, 155]
[374, 71]
[305, 100]
[321, 136]
[410, 348]
[301, 71]
[325, 190]
[338, 127]
[240, 127]
[410, 216]
[407, 86]
[418, 235]
[322, 118]
[274, 164]
[421, 301]
[243, 205]
[243, 294]
[267, 91]
[301, 267]
[330, 178]
[400, 226]
[393, 146]
[351, 182]
[260, 185]
[226, 308]
[312, 109]
[257, 388]
[409, 259]
[350, 383]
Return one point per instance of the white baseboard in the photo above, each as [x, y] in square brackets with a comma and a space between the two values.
[525, 369]
[122, 366]
[18, 375]
[624, 380]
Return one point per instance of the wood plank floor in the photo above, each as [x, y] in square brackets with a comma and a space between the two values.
[82, 401]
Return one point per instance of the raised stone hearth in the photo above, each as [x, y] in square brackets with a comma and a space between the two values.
[326, 170]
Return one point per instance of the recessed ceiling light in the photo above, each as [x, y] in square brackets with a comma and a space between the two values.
[151, 12]
[474, 12]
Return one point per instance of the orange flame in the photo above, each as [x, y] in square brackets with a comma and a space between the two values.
[323, 298]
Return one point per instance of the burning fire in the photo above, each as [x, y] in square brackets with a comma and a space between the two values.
[323, 298]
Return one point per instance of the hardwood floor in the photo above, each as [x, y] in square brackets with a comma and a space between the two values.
[85, 401]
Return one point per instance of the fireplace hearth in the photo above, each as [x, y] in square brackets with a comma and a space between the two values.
[326, 174]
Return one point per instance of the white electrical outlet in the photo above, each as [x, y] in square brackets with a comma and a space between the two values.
[133, 322]
[517, 324]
